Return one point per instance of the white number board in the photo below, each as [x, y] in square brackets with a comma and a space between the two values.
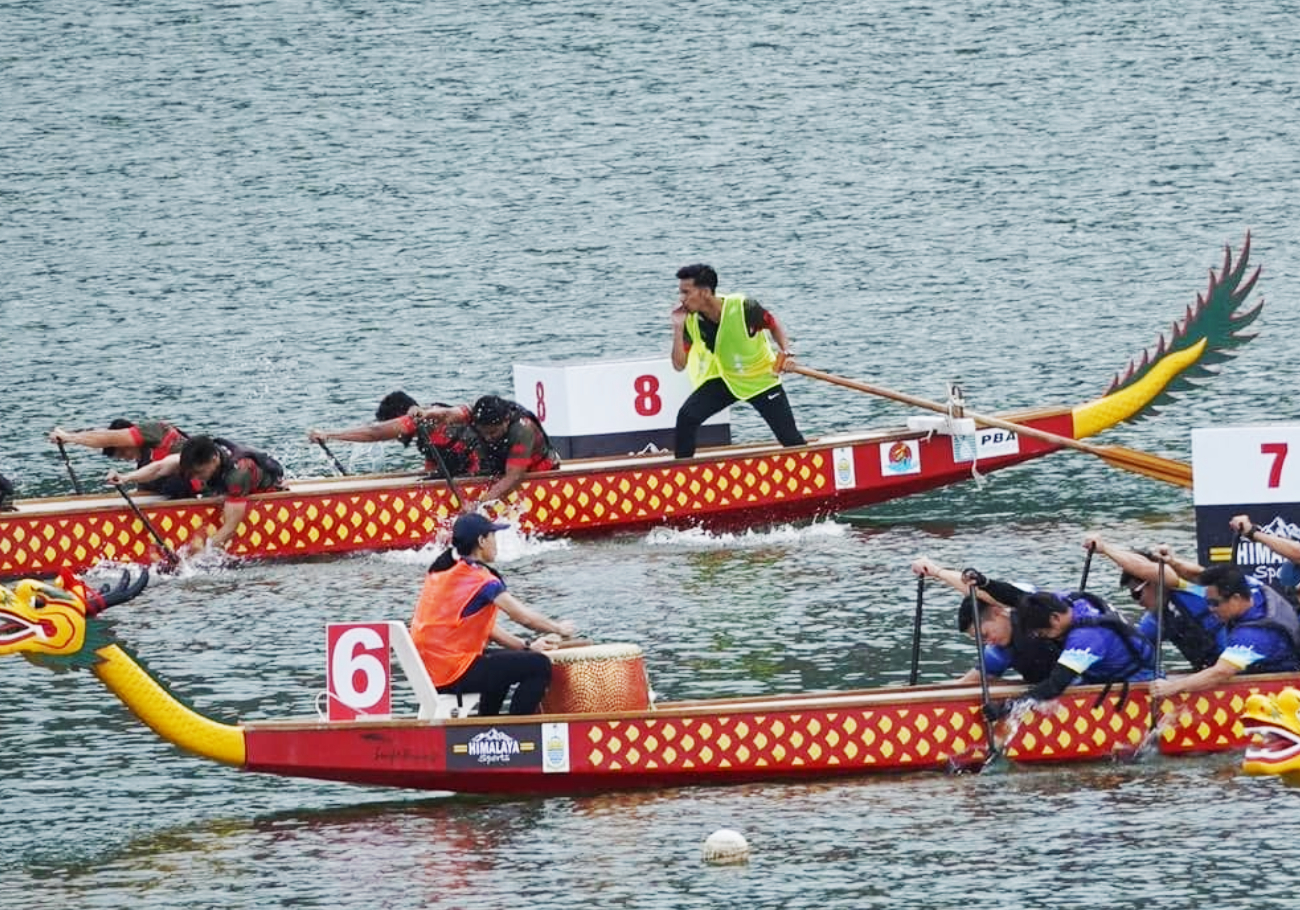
[358, 671]
[601, 397]
[1246, 465]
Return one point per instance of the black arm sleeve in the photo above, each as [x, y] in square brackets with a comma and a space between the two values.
[1057, 682]
[1003, 592]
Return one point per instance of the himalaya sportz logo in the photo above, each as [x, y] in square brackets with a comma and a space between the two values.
[1267, 564]
[496, 748]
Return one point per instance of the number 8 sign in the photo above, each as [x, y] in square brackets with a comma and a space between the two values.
[358, 670]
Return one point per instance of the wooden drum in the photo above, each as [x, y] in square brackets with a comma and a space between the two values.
[595, 679]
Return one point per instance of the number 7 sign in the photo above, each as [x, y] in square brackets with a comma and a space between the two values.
[1245, 465]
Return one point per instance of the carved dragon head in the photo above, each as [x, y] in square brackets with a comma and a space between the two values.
[55, 624]
[1273, 723]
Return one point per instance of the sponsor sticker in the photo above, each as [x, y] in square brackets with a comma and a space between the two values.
[900, 457]
[990, 442]
[555, 748]
[514, 747]
[845, 475]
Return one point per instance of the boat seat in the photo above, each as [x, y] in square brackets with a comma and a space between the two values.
[434, 705]
[455, 704]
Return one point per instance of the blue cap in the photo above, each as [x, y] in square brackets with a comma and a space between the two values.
[469, 528]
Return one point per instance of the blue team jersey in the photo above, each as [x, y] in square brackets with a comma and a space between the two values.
[1261, 649]
[997, 659]
[1098, 654]
[1191, 599]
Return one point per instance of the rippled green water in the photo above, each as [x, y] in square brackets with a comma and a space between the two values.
[257, 218]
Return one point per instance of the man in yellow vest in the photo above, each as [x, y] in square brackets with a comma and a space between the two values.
[720, 342]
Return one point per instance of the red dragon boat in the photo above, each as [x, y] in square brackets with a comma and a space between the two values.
[722, 488]
[586, 747]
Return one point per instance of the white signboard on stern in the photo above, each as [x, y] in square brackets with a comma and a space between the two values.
[1246, 465]
[611, 406]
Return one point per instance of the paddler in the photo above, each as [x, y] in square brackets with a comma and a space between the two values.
[458, 614]
[514, 443]
[1004, 648]
[143, 443]
[722, 343]
[1263, 632]
[459, 446]
[211, 466]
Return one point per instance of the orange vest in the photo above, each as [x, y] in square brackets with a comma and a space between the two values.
[448, 643]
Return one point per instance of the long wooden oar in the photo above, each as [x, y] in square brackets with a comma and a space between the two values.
[162, 544]
[67, 463]
[1163, 469]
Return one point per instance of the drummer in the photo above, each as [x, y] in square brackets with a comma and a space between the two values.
[456, 617]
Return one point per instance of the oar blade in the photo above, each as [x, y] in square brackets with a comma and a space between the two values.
[1165, 470]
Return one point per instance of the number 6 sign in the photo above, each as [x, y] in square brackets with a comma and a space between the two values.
[358, 671]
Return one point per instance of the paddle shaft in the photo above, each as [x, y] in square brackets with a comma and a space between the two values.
[446, 475]
[1160, 612]
[171, 554]
[916, 632]
[1087, 564]
[985, 699]
[338, 466]
[1165, 469]
[1160, 631]
[67, 463]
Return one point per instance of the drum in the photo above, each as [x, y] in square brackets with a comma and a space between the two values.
[595, 679]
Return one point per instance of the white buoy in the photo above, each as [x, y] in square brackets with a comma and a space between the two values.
[726, 846]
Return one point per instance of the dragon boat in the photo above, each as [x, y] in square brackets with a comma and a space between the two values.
[723, 488]
[584, 745]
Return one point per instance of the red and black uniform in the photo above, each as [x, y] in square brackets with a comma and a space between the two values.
[156, 440]
[243, 471]
[525, 444]
[460, 446]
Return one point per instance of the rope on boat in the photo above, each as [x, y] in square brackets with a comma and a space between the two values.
[957, 409]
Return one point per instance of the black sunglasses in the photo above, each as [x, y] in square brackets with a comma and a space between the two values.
[1135, 592]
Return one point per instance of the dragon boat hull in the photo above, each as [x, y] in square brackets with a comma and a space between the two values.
[736, 740]
[746, 740]
[723, 489]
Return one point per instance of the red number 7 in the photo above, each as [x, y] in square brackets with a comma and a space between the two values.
[1278, 451]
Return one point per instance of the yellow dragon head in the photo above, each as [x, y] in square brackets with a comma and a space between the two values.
[55, 624]
[1273, 723]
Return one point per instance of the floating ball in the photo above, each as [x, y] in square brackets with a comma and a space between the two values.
[726, 846]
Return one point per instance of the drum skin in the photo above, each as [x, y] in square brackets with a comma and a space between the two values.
[597, 679]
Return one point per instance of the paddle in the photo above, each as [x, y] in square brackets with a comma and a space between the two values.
[67, 462]
[338, 466]
[1160, 628]
[1163, 469]
[446, 475]
[1087, 564]
[986, 701]
[172, 558]
[916, 633]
